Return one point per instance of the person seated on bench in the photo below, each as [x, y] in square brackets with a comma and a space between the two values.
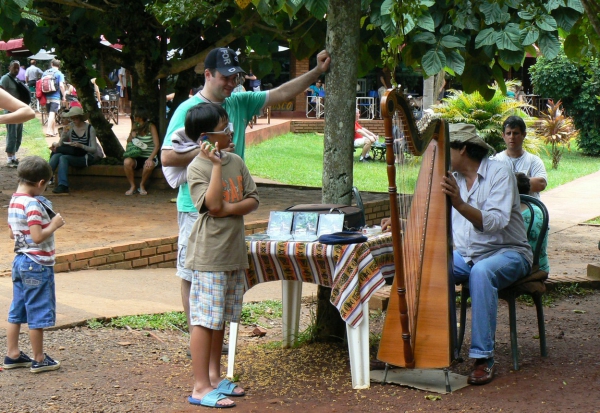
[77, 147]
[363, 138]
[144, 135]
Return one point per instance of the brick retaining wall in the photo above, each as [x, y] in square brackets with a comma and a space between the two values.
[162, 252]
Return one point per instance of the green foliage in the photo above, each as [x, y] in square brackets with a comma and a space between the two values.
[486, 115]
[253, 312]
[94, 324]
[174, 320]
[474, 40]
[577, 85]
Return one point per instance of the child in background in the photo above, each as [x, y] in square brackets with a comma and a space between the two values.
[223, 192]
[147, 140]
[32, 223]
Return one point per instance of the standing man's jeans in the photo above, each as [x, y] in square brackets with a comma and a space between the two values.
[485, 278]
[14, 135]
[63, 162]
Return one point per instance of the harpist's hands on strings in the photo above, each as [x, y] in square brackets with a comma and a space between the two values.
[450, 188]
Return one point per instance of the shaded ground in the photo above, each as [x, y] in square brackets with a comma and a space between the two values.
[127, 371]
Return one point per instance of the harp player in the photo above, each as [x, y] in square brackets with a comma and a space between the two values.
[491, 248]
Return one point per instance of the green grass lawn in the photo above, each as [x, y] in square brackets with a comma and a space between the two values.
[34, 141]
[297, 159]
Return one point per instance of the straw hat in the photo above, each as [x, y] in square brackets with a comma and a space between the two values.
[74, 111]
[466, 133]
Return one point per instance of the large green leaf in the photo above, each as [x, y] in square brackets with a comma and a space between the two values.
[452, 42]
[388, 25]
[318, 8]
[532, 34]
[387, 6]
[474, 76]
[575, 5]
[11, 10]
[546, 23]
[526, 15]
[549, 45]
[433, 62]
[574, 47]
[554, 4]
[22, 3]
[494, 13]
[512, 57]
[486, 37]
[566, 18]
[425, 21]
[455, 62]
[424, 37]
[509, 38]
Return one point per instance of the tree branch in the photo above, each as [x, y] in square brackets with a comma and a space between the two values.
[184, 64]
[81, 4]
[591, 9]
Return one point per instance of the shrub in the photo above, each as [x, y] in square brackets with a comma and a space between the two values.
[487, 116]
[577, 86]
[557, 130]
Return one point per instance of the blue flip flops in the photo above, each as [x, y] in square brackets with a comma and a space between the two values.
[226, 387]
[210, 400]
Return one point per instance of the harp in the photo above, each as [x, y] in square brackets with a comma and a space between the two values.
[419, 329]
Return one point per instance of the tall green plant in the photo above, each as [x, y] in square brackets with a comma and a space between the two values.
[486, 115]
[557, 130]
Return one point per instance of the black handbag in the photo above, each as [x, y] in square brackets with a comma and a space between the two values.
[70, 150]
[23, 91]
[354, 216]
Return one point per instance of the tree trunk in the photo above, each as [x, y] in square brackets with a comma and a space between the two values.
[342, 42]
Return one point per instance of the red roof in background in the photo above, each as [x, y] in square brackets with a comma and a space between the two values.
[12, 44]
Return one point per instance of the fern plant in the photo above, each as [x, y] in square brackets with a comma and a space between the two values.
[557, 130]
[487, 116]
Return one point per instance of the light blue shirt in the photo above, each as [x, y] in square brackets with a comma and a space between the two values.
[495, 194]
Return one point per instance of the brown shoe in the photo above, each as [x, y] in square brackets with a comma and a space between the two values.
[482, 373]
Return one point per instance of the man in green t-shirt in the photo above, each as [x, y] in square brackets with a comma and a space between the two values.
[221, 69]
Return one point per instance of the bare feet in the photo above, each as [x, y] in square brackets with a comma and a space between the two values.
[142, 191]
[131, 191]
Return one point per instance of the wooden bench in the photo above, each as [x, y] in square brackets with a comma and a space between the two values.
[112, 175]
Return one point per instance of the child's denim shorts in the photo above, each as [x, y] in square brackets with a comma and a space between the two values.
[34, 297]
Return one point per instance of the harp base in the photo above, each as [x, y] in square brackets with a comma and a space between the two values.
[432, 380]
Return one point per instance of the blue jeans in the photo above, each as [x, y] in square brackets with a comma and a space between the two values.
[34, 296]
[63, 162]
[485, 279]
[14, 135]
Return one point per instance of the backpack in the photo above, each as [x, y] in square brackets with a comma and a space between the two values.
[49, 82]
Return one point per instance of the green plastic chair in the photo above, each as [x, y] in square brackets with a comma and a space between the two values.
[532, 285]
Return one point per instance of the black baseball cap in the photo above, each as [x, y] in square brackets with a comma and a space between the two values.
[224, 60]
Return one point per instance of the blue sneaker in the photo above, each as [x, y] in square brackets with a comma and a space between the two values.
[47, 365]
[22, 361]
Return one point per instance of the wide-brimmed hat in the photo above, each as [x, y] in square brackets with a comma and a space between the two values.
[74, 111]
[224, 60]
[467, 133]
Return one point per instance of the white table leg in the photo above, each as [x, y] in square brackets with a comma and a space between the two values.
[358, 347]
[233, 335]
[291, 301]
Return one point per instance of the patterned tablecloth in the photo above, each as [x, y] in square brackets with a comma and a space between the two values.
[353, 272]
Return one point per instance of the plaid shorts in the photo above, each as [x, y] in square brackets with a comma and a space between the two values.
[216, 297]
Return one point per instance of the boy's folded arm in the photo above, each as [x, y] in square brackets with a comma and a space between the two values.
[244, 207]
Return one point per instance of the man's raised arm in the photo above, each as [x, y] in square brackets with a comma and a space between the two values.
[298, 85]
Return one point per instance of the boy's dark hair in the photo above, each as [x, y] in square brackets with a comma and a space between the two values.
[514, 122]
[143, 113]
[33, 169]
[474, 151]
[203, 117]
[523, 183]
